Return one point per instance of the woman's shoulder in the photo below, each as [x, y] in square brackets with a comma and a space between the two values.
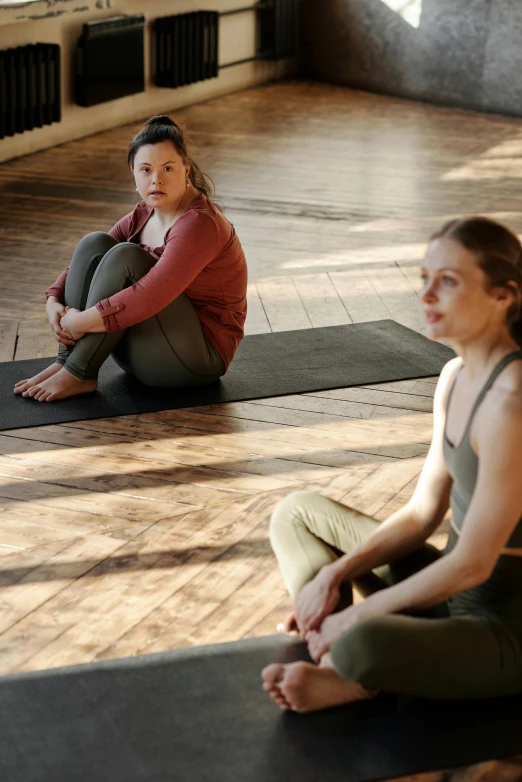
[203, 207]
[499, 418]
[140, 211]
[446, 379]
[506, 392]
[131, 223]
[203, 218]
[450, 369]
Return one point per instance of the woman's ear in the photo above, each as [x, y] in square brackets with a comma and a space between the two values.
[507, 294]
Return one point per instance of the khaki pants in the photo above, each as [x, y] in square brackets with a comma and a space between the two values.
[434, 654]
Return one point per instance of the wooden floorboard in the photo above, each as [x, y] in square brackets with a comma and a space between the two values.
[149, 532]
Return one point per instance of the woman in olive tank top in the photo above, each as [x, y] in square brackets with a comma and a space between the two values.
[434, 624]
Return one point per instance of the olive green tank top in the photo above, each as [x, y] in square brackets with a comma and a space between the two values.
[462, 461]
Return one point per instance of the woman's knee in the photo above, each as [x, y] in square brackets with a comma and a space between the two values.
[128, 255]
[319, 514]
[96, 243]
[290, 511]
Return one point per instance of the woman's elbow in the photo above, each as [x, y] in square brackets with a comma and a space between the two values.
[471, 571]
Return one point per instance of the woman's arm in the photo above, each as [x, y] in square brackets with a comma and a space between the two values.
[433, 584]
[78, 323]
[57, 289]
[408, 528]
[403, 532]
[496, 505]
[190, 247]
[192, 243]
[56, 292]
[492, 515]
[55, 311]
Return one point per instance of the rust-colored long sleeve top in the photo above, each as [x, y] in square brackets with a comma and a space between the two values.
[202, 257]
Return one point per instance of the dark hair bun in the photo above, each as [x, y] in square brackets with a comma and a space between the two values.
[161, 119]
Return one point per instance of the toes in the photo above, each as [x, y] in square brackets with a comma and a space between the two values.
[286, 684]
[293, 685]
[271, 675]
[280, 698]
[276, 695]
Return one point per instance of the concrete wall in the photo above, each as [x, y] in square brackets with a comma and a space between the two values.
[60, 21]
[456, 52]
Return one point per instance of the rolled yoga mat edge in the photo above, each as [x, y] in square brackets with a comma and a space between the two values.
[200, 714]
[265, 365]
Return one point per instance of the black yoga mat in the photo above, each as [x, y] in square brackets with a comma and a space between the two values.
[265, 365]
[200, 715]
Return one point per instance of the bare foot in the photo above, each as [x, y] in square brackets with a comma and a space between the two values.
[272, 675]
[304, 687]
[25, 385]
[60, 385]
[288, 626]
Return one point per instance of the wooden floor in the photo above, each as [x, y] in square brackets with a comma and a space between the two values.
[142, 533]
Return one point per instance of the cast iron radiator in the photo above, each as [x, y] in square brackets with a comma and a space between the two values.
[110, 61]
[278, 28]
[186, 48]
[29, 87]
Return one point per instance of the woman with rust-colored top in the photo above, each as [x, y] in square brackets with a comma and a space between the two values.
[164, 291]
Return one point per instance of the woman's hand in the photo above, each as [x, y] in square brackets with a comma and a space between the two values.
[55, 311]
[320, 641]
[71, 322]
[317, 600]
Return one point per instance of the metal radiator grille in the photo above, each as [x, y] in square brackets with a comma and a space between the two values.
[186, 47]
[279, 28]
[110, 59]
[29, 88]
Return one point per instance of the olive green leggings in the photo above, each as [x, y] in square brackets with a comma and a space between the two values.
[168, 349]
[434, 654]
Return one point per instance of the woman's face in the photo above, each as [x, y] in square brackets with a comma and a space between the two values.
[456, 301]
[160, 175]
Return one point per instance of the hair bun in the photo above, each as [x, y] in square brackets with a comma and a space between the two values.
[161, 119]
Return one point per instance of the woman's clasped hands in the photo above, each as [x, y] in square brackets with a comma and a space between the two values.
[64, 322]
[69, 322]
[314, 607]
[55, 312]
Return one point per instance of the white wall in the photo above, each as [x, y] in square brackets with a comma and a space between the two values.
[60, 21]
